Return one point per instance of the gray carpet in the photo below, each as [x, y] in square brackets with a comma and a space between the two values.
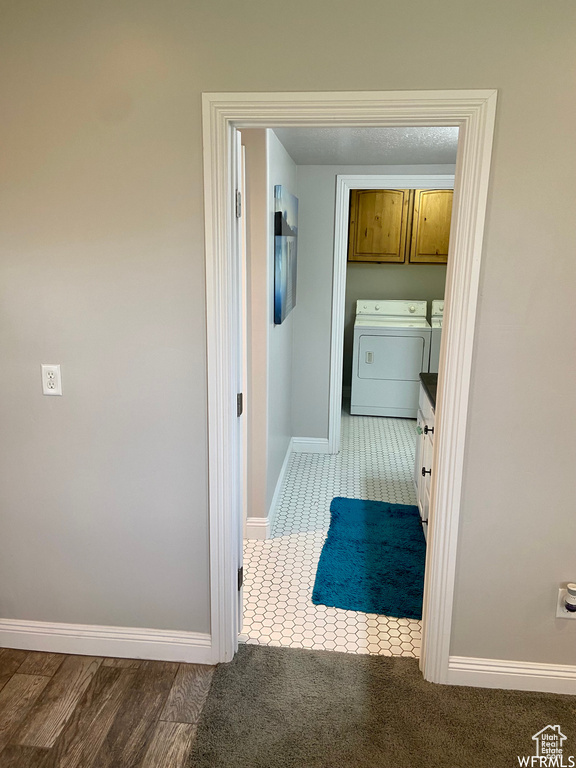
[290, 708]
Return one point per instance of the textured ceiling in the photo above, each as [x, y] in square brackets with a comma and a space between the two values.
[370, 146]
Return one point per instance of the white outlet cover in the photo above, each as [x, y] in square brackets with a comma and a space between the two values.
[51, 380]
[561, 612]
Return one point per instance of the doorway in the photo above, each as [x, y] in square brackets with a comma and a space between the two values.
[345, 183]
[374, 461]
[473, 113]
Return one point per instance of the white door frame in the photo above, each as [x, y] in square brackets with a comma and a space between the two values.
[344, 184]
[473, 111]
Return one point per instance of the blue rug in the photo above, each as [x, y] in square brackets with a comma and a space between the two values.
[373, 559]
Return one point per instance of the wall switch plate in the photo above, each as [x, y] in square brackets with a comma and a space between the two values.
[51, 380]
[561, 612]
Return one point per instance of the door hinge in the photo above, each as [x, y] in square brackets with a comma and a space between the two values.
[240, 577]
[238, 204]
[239, 404]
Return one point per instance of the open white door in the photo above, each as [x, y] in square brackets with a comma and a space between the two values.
[241, 357]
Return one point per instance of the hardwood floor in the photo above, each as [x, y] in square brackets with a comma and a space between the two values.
[60, 711]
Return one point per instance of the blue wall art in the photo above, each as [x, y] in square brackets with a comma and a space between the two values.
[285, 246]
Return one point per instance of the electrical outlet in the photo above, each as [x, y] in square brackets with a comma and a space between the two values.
[561, 612]
[51, 380]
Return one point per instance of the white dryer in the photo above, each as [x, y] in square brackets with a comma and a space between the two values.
[391, 349]
[436, 333]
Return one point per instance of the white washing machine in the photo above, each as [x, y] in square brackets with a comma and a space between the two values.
[436, 333]
[391, 348]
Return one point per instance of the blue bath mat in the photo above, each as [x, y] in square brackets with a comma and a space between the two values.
[373, 559]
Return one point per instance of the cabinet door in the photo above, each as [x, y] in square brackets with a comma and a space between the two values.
[378, 224]
[431, 226]
[424, 487]
[418, 455]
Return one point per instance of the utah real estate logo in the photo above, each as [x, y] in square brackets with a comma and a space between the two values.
[549, 750]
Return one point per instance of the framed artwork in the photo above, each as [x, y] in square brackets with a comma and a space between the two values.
[285, 248]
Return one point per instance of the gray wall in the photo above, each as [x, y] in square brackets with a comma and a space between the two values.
[103, 271]
[281, 170]
[313, 321]
[270, 347]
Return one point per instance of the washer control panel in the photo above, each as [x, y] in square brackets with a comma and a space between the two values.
[438, 308]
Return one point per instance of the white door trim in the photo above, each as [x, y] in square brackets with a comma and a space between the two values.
[344, 184]
[473, 112]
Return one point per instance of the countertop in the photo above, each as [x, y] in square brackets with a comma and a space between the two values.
[430, 383]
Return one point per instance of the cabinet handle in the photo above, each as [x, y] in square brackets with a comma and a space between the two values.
[428, 429]
[426, 471]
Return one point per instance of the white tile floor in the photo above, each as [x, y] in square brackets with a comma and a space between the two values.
[375, 462]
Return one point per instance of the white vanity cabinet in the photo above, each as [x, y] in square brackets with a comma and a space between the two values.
[424, 451]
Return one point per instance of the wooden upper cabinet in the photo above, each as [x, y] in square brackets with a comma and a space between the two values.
[431, 226]
[379, 224]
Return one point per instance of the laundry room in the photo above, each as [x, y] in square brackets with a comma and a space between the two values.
[381, 261]
[371, 230]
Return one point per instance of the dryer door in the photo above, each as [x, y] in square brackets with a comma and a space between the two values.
[400, 358]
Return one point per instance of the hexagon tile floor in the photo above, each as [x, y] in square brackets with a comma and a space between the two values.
[375, 462]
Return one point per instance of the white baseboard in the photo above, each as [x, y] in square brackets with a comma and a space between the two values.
[279, 487]
[257, 528]
[310, 445]
[94, 640]
[261, 527]
[513, 675]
